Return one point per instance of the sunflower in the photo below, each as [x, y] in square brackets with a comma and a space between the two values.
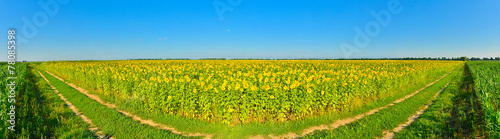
[253, 88]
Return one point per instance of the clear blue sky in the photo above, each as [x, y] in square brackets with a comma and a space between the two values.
[122, 29]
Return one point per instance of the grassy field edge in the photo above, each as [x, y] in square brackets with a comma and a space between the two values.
[61, 121]
[486, 83]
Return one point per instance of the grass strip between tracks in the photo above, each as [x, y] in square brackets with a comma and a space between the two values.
[387, 119]
[61, 120]
[456, 113]
[111, 122]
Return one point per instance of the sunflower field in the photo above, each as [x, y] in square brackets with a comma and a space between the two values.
[244, 91]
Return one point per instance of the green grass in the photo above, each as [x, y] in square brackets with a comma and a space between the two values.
[387, 119]
[454, 114]
[29, 115]
[61, 121]
[111, 122]
[486, 76]
[245, 130]
[251, 129]
[39, 113]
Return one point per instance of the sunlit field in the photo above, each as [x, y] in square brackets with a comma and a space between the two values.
[244, 91]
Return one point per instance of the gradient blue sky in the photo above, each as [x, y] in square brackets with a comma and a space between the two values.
[122, 29]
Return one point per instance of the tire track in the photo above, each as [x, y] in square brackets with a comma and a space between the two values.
[390, 135]
[134, 117]
[344, 121]
[93, 127]
[305, 132]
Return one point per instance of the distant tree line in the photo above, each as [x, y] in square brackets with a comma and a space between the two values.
[484, 58]
[212, 59]
[160, 59]
[404, 58]
[251, 59]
